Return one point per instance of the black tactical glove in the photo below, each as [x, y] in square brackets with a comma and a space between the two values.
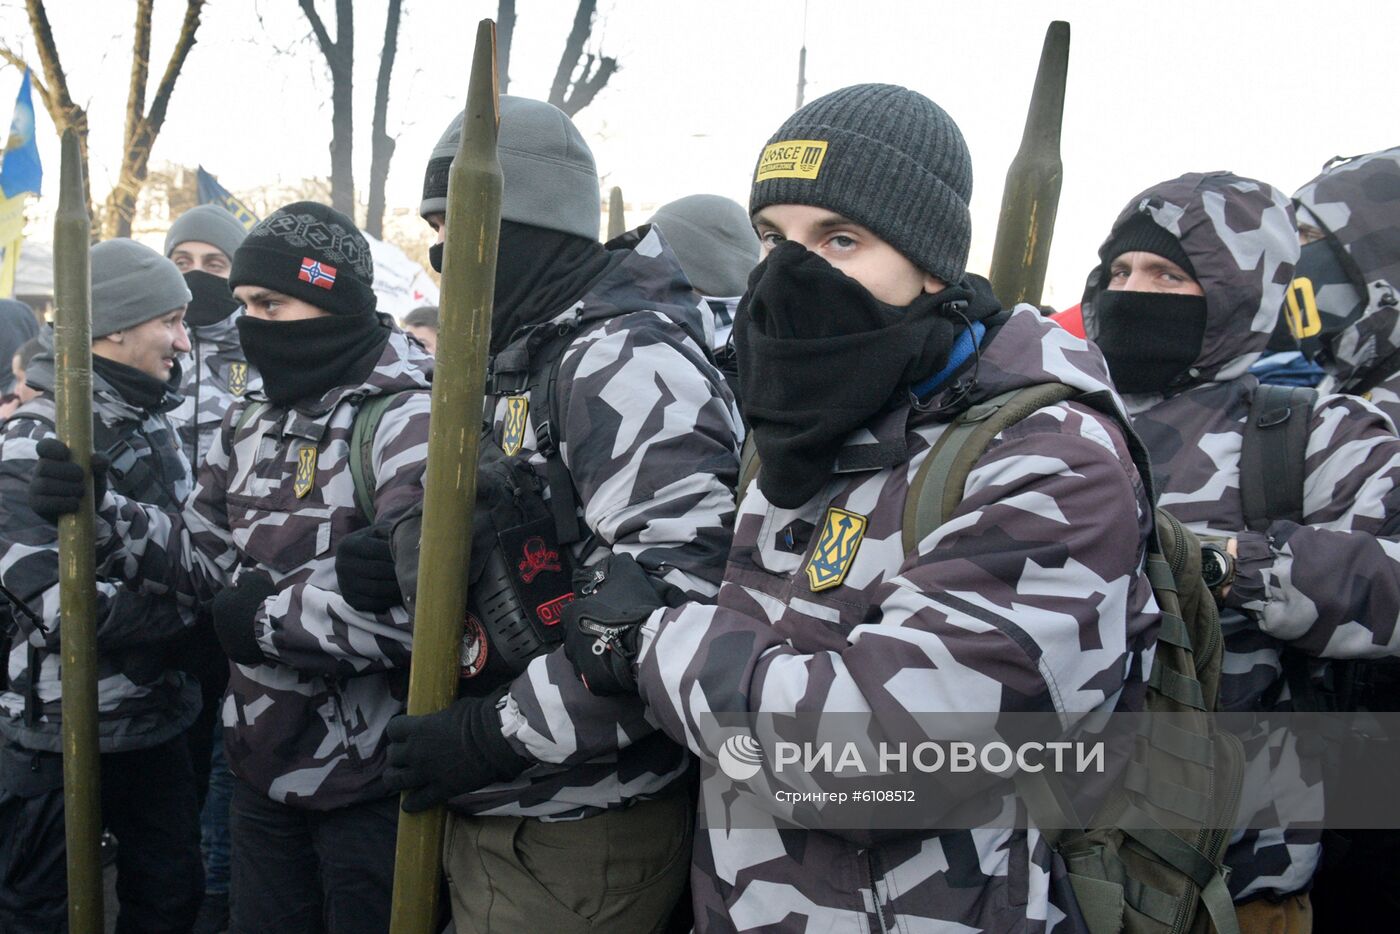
[364, 568]
[56, 489]
[602, 627]
[234, 610]
[436, 757]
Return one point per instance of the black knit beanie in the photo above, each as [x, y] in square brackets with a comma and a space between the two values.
[1142, 233]
[884, 156]
[311, 252]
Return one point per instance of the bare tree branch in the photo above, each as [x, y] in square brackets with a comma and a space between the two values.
[380, 142]
[571, 94]
[57, 100]
[323, 38]
[142, 129]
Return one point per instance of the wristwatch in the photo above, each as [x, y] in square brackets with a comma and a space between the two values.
[1217, 568]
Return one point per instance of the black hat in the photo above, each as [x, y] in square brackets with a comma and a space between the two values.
[311, 252]
[1142, 233]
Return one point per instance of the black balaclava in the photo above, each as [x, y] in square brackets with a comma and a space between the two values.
[1149, 339]
[211, 300]
[303, 360]
[819, 356]
[539, 273]
[1326, 297]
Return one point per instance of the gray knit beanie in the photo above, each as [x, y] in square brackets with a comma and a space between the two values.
[207, 223]
[550, 178]
[884, 156]
[713, 238]
[131, 284]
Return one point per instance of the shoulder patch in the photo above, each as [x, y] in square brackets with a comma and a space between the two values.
[306, 471]
[237, 378]
[513, 432]
[791, 158]
[836, 548]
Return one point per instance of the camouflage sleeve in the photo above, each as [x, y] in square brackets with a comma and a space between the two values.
[650, 441]
[1332, 585]
[308, 625]
[191, 552]
[29, 565]
[1030, 598]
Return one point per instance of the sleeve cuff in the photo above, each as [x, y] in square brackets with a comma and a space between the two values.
[1254, 555]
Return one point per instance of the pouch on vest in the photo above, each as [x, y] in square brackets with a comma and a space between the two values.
[520, 576]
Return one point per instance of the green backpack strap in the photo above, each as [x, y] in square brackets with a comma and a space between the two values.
[249, 413]
[938, 486]
[367, 418]
[748, 468]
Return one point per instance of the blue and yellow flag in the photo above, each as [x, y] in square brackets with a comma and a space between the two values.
[211, 192]
[21, 171]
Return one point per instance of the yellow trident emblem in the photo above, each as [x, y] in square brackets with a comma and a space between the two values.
[836, 549]
[513, 434]
[237, 378]
[306, 471]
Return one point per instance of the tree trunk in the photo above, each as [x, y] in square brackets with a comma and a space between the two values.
[143, 127]
[380, 142]
[505, 28]
[57, 101]
[572, 94]
[340, 59]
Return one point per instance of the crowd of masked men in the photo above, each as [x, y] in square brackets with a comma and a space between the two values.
[260, 434]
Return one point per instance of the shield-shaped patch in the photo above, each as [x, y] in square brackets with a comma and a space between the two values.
[836, 548]
[513, 433]
[237, 378]
[306, 471]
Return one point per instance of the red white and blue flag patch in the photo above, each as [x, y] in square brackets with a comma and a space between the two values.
[318, 274]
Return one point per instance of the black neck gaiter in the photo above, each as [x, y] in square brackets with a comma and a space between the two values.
[539, 273]
[211, 301]
[819, 355]
[303, 360]
[1149, 339]
[140, 389]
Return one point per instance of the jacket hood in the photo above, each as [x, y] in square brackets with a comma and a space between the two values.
[1242, 242]
[1357, 203]
[648, 278]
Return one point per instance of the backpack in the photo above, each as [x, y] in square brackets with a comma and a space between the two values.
[368, 415]
[1163, 871]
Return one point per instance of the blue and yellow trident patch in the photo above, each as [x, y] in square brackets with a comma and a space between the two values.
[513, 433]
[306, 471]
[841, 536]
[237, 378]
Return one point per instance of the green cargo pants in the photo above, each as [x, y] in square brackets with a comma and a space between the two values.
[620, 871]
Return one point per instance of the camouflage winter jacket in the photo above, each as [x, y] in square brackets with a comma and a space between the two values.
[648, 434]
[1031, 597]
[1358, 202]
[141, 701]
[216, 375]
[275, 494]
[1240, 238]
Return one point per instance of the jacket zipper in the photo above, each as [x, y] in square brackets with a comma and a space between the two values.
[875, 890]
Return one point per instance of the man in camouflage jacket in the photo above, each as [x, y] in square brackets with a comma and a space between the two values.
[1030, 598]
[571, 812]
[314, 681]
[1221, 248]
[144, 704]
[1348, 314]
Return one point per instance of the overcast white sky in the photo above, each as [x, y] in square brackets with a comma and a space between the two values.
[1268, 89]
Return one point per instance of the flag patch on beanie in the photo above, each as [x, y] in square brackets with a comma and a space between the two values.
[317, 273]
[792, 158]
